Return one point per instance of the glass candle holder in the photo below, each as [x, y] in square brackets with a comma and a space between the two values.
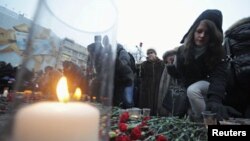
[209, 118]
[134, 113]
[146, 112]
[64, 84]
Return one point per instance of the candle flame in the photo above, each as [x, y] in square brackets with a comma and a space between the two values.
[78, 94]
[62, 90]
[27, 92]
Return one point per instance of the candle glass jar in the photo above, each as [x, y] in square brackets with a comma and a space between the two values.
[146, 112]
[134, 113]
[68, 39]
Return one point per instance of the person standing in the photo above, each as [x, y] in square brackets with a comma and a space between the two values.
[124, 80]
[168, 58]
[95, 56]
[94, 65]
[151, 71]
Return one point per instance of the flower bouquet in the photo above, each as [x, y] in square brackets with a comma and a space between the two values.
[152, 128]
[129, 130]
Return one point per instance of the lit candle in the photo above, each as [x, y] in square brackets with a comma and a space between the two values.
[55, 121]
[77, 95]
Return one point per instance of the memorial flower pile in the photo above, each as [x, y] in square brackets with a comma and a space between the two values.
[154, 128]
[132, 130]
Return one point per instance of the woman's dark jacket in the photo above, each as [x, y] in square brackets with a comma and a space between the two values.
[197, 70]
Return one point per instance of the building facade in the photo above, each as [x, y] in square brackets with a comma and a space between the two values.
[48, 48]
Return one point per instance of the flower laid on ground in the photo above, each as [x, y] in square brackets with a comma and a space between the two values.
[132, 130]
[154, 128]
[161, 138]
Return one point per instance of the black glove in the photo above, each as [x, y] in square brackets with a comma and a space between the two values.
[172, 70]
[222, 112]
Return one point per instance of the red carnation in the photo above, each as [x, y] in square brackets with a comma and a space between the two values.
[161, 138]
[122, 138]
[124, 117]
[146, 118]
[123, 127]
[135, 133]
[143, 123]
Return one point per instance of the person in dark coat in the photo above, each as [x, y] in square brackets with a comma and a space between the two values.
[237, 45]
[124, 79]
[200, 66]
[151, 71]
[95, 55]
[94, 66]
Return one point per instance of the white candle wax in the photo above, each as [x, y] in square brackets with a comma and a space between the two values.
[54, 121]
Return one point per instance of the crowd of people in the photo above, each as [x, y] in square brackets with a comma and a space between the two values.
[200, 65]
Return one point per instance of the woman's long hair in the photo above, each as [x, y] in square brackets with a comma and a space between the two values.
[214, 51]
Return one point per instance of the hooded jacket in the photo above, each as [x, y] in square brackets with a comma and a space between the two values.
[197, 68]
[209, 14]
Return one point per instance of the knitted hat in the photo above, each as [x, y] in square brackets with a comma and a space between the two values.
[151, 50]
[169, 53]
[213, 15]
